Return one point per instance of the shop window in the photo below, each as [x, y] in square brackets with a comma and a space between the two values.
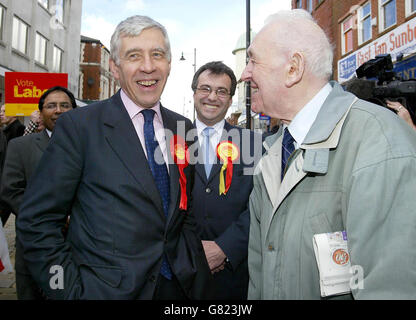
[347, 35]
[309, 5]
[364, 23]
[387, 13]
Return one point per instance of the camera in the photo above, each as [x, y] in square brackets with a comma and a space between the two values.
[377, 82]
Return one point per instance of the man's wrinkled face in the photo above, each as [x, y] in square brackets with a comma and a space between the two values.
[56, 103]
[212, 98]
[266, 71]
[144, 67]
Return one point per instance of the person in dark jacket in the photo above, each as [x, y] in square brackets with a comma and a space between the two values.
[12, 126]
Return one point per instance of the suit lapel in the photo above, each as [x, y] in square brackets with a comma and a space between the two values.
[122, 137]
[42, 140]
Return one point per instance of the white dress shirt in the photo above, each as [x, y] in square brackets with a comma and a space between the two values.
[214, 138]
[302, 123]
[137, 118]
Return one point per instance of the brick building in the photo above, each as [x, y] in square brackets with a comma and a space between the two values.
[362, 29]
[95, 81]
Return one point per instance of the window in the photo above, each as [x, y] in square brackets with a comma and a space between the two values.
[410, 7]
[20, 31]
[387, 13]
[57, 59]
[347, 41]
[309, 5]
[364, 23]
[2, 11]
[59, 10]
[40, 49]
[44, 3]
[298, 3]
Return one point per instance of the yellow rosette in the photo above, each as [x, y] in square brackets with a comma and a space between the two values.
[227, 152]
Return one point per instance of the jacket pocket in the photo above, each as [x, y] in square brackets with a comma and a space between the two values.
[108, 274]
[320, 224]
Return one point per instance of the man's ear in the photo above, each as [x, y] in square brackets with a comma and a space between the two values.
[114, 69]
[296, 68]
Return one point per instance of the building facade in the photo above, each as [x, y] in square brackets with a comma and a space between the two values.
[238, 111]
[40, 36]
[363, 29]
[96, 81]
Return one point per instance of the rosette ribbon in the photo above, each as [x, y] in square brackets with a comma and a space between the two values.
[180, 154]
[227, 152]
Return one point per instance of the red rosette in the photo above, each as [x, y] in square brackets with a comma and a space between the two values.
[180, 155]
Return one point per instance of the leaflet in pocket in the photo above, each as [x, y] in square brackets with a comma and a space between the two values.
[333, 259]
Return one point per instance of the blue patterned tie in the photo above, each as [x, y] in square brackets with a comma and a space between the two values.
[287, 149]
[208, 151]
[159, 171]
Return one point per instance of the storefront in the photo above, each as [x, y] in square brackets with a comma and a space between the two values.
[400, 41]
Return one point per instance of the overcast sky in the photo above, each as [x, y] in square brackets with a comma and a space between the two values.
[211, 26]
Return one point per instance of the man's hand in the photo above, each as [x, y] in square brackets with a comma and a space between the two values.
[215, 256]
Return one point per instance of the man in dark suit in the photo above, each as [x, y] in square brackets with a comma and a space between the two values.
[222, 213]
[131, 235]
[23, 156]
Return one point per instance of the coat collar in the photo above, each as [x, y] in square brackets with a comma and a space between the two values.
[42, 140]
[313, 154]
[331, 112]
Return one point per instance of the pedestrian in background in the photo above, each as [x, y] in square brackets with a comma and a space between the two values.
[12, 127]
[222, 215]
[23, 156]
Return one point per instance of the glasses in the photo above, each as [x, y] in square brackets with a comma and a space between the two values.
[221, 92]
[54, 106]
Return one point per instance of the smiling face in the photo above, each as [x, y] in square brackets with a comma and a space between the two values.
[144, 67]
[211, 108]
[56, 103]
[267, 72]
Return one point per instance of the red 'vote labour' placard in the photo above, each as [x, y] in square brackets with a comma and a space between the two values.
[23, 90]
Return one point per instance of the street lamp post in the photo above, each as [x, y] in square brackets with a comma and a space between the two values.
[248, 88]
[194, 65]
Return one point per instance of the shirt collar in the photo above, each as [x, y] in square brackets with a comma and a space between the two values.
[302, 123]
[49, 132]
[134, 109]
[218, 127]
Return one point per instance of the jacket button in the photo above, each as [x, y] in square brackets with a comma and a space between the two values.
[152, 278]
[270, 247]
[208, 190]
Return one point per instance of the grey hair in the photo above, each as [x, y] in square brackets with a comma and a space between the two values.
[132, 27]
[312, 41]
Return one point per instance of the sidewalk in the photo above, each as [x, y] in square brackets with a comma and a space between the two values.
[8, 281]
